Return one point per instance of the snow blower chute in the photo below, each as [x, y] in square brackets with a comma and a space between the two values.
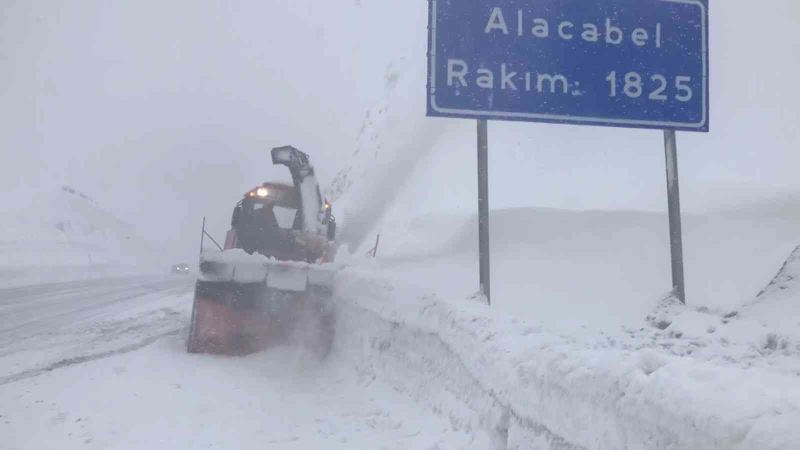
[272, 281]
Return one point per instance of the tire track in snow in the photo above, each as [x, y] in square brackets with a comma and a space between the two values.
[72, 306]
[118, 295]
[86, 358]
[57, 325]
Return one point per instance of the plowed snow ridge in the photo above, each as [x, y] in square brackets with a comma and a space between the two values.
[526, 388]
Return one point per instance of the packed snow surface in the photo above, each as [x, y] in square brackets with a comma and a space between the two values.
[103, 364]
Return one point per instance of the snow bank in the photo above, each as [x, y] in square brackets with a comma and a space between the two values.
[523, 387]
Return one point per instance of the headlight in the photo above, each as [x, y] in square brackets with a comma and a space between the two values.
[262, 192]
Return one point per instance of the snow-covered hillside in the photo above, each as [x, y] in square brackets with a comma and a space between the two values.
[596, 269]
[65, 234]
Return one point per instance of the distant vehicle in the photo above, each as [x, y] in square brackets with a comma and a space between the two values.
[180, 268]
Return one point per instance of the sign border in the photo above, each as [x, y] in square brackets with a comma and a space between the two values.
[702, 125]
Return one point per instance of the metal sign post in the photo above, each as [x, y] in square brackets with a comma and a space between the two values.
[483, 211]
[202, 234]
[674, 201]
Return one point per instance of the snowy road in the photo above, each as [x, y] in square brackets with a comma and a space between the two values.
[53, 324]
[30, 311]
[102, 364]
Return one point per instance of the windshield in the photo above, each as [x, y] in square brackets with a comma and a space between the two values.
[285, 216]
[268, 212]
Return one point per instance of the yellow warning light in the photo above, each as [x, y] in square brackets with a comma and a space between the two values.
[262, 192]
[327, 206]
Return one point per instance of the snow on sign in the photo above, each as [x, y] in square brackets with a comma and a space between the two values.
[627, 63]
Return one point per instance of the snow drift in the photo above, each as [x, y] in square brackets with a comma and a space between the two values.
[599, 269]
[565, 357]
[521, 386]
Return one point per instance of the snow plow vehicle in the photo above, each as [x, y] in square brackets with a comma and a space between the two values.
[271, 283]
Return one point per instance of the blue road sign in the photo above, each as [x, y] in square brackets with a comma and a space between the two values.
[627, 63]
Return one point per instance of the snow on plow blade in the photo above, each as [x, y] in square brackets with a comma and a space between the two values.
[247, 303]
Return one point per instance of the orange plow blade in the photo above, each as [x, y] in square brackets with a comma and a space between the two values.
[237, 319]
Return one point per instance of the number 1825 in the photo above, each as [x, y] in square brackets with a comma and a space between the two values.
[633, 86]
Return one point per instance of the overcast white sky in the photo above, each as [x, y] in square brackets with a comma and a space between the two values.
[164, 111]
